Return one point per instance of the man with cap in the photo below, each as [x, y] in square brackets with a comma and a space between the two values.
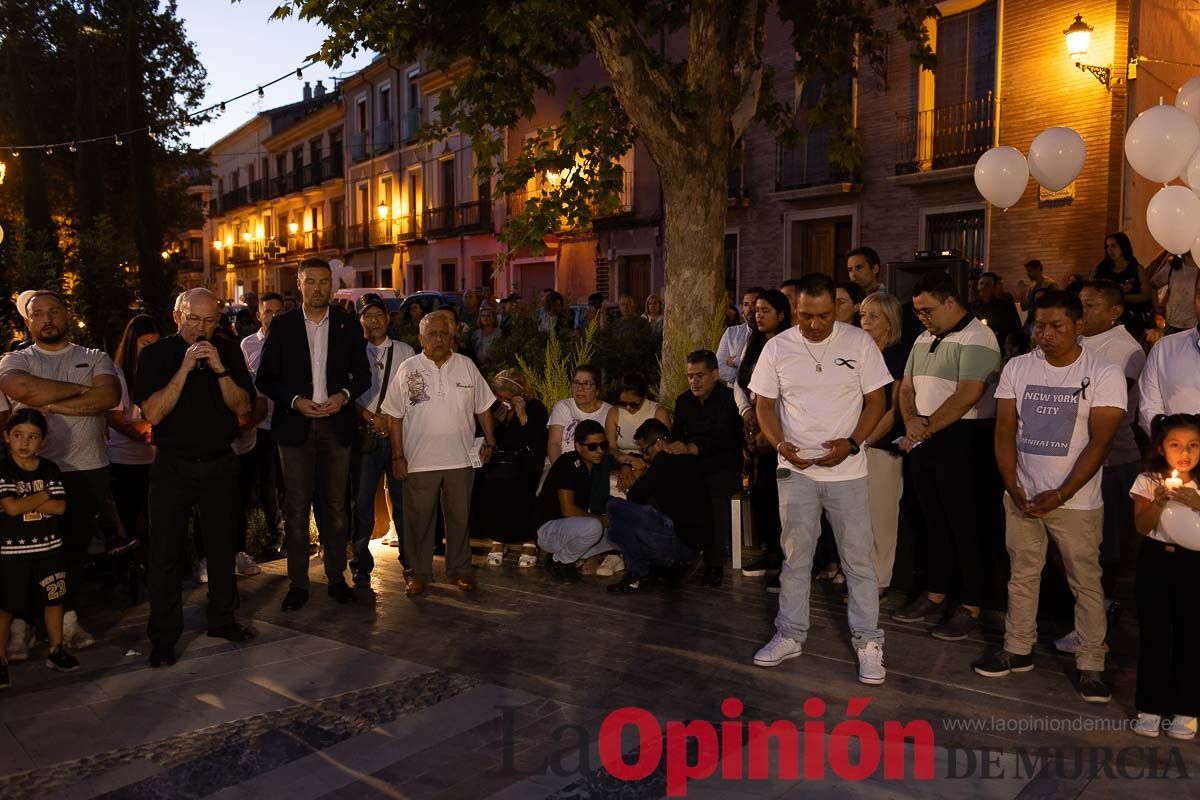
[373, 451]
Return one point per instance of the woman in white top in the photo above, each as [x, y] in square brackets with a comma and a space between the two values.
[584, 403]
[654, 313]
[130, 452]
[633, 407]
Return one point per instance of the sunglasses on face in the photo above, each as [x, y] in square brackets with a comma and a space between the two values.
[592, 447]
[632, 405]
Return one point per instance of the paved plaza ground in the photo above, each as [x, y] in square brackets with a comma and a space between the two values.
[502, 693]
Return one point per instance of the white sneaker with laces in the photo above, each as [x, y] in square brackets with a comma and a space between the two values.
[392, 537]
[870, 664]
[202, 571]
[19, 636]
[244, 565]
[776, 651]
[73, 633]
[1147, 725]
[611, 565]
[1182, 727]
[1068, 643]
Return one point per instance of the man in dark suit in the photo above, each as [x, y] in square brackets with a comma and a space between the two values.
[313, 362]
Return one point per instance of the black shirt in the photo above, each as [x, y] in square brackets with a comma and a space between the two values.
[714, 426]
[32, 534]
[670, 484]
[896, 358]
[590, 487]
[1001, 316]
[200, 426]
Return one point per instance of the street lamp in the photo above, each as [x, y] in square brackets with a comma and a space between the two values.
[382, 210]
[1079, 38]
[293, 228]
[246, 237]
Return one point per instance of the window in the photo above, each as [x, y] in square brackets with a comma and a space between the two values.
[966, 52]
[808, 163]
[280, 165]
[385, 196]
[414, 93]
[957, 230]
[449, 268]
[297, 159]
[361, 111]
[447, 174]
[385, 276]
[385, 103]
[417, 274]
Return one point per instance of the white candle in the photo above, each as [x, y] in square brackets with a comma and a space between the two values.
[1173, 482]
[984, 320]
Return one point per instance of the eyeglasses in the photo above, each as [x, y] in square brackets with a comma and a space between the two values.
[646, 450]
[924, 313]
[584, 384]
[592, 447]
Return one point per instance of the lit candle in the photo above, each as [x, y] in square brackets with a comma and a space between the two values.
[984, 320]
[1173, 482]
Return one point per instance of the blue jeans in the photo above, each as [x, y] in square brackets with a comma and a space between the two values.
[801, 500]
[370, 467]
[646, 537]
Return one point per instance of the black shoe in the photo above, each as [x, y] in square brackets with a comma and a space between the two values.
[362, 578]
[956, 627]
[1092, 687]
[5, 681]
[555, 568]
[765, 564]
[295, 599]
[570, 573]
[342, 593]
[629, 584]
[773, 584]
[919, 609]
[162, 655]
[60, 660]
[676, 574]
[1112, 615]
[712, 577]
[233, 631]
[1001, 663]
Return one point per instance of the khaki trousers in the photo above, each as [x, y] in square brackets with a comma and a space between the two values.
[885, 484]
[1077, 534]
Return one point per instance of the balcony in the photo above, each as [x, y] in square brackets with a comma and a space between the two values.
[331, 167]
[381, 232]
[474, 217]
[440, 221]
[622, 204]
[946, 137]
[358, 235]
[408, 228]
[807, 166]
[357, 145]
[383, 137]
[410, 123]
[235, 199]
[239, 252]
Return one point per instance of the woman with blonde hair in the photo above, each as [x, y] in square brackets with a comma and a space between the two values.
[654, 313]
[502, 505]
[880, 316]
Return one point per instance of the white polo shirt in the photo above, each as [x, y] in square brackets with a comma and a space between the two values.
[818, 405]
[252, 347]
[1170, 383]
[1119, 347]
[438, 407]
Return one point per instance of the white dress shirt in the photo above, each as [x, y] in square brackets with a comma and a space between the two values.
[252, 347]
[1170, 383]
[377, 358]
[733, 344]
[318, 353]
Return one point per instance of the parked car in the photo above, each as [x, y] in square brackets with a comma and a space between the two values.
[431, 301]
[347, 298]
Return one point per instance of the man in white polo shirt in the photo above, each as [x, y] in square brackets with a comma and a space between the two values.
[433, 403]
[1170, 383]
[820, 388]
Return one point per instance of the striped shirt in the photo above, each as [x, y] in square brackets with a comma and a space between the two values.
[967, 353]
[31, 533]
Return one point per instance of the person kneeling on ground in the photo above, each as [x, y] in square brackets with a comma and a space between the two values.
[571, 506]
[671, 532]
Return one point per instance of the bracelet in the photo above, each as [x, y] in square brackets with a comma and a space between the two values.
[1058, 492]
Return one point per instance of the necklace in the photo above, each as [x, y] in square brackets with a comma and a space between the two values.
[816, 360]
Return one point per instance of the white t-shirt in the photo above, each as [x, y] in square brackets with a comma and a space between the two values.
[1123, 350]
[567, 414]
[817, 402]
[1144, 487]
[252, 347]
[438, 406]
[1053, 407]
[73, 443]
[121, 448]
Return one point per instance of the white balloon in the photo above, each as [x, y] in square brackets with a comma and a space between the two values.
[1173, 217]
[1181, 524]
[1160, 142]
[1001, 175]
[1188, 98]
[1191, 175]
[1196, 252]
[1056, 157]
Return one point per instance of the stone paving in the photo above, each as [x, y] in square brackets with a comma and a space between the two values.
[501, 694]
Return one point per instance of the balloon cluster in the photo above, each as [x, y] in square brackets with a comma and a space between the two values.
[1163, 144]
[1056, 158]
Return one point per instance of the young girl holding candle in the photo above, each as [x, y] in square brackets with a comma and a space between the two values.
[1167, 513]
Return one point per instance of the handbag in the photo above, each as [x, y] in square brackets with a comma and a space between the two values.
[368, 440]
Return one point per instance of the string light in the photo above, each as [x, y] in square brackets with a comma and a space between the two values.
[299, 74]
[117, 140]
[260, 92]
[222, 107]
[16, 153]
[73, 148]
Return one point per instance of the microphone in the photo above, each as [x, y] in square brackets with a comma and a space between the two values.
[201, 363]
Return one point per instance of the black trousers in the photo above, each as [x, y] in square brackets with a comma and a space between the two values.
[247, 474]
[942, 471]
[268, 483]
[1168, 675]
[317, 471]
[176, 486]
[86, 491]
[764, 503]
[720, 487]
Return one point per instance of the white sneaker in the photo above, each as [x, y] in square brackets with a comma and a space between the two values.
[611, 565]
[19, 639]
[870, 664]
[244, 565]
[1182, 727]
[202, 571]
[73, 633]
[1147, 725]
[776, 651]
[391, 538]
[1068, 643]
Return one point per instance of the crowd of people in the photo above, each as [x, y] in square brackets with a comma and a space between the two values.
[849, 415]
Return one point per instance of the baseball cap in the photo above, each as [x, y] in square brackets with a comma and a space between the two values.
[371, 300]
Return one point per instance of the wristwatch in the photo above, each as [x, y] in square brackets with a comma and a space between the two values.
[221, 374]
[854, 447]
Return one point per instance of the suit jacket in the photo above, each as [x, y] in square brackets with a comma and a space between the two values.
[285, 371]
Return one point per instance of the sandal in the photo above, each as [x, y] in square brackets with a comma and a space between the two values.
[495, 559]
[527, 560]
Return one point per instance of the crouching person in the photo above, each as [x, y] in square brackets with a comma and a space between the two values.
[668, 534]
[572, 504]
